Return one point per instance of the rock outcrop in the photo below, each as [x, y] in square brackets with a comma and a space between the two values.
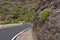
[51, 28]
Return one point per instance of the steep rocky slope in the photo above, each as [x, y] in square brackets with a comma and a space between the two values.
[51, 28]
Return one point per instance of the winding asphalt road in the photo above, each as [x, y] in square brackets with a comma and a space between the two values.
[9, 33]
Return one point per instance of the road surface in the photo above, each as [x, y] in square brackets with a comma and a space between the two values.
[9, 33]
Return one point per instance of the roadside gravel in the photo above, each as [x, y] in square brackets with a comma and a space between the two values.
[10, 25]
[26, 35]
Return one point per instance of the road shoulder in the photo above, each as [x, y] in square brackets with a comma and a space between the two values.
[26, 35]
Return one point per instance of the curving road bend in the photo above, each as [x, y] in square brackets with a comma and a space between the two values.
[9, 33]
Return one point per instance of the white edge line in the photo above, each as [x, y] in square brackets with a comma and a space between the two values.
[20, 33]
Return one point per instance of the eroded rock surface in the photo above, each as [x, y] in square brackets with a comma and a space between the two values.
[51, 28]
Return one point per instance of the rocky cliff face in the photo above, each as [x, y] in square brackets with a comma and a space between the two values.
[51, 28]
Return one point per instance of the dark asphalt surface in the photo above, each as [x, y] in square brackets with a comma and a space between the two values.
[9, 33]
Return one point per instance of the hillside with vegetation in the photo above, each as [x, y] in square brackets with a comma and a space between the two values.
[15, 11]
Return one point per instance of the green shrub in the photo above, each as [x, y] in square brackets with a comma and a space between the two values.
[43, 14]
[12, 20]
[5, 2]
[3, 10]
